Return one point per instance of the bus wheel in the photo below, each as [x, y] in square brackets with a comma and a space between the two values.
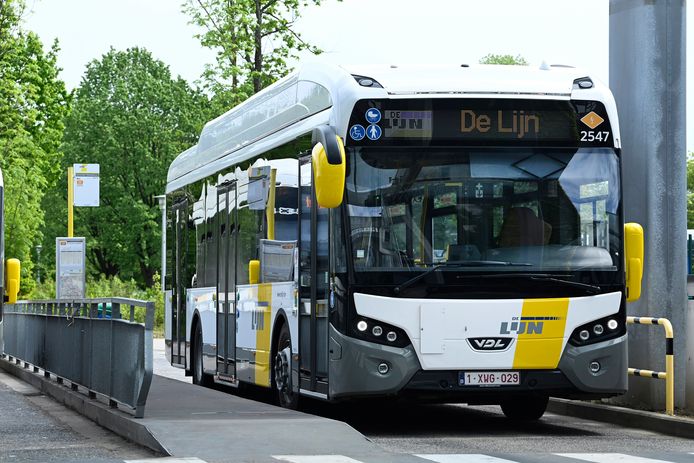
[525, 408]
[199, 376]
[282, 370]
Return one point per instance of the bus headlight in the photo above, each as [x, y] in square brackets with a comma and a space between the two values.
[595, 331]
[371, 330]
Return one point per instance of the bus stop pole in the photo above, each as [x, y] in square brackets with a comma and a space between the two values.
[70, 200]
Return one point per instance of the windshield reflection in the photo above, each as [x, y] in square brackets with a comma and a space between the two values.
[533, 209]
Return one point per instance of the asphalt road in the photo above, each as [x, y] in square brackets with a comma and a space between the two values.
[459, 429]
[35, 428]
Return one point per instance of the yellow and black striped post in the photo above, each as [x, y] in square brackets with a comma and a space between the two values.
[669, 374]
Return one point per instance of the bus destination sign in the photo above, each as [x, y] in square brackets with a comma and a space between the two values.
[477, 122]
[407, 124]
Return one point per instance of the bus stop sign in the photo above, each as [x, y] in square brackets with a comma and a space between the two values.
[70, 256]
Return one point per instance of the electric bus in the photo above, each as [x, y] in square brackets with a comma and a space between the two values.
[441, 233]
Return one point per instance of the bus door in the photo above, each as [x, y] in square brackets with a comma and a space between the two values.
[178, 295]
[226, 282]
[313, 285]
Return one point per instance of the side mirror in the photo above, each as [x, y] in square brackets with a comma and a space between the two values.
[633, 260]
[328, 161]
[12, 269]
[254, 272]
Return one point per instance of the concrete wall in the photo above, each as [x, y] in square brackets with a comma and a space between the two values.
[647, 76]
[688, 357]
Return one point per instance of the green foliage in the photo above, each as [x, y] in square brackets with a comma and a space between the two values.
[491, 58]
[253, 40]
[131, 117]
[33, 105]
[115, 287]
[690, 190]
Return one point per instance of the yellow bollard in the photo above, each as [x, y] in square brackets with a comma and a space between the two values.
[669, 374]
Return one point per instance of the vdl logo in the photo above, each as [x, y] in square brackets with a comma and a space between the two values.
[525, 325]
[490, 344]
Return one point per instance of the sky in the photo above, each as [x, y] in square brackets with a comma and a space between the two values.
[351, 31]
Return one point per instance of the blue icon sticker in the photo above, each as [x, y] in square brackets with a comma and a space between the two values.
[373, 116]
[357, 132]
[373, 132]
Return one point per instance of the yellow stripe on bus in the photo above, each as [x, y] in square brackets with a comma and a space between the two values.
[262, 340]
[539, 346]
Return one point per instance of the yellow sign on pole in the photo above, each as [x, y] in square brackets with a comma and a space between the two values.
[70, 200]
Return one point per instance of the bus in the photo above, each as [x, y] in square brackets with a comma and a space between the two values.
[441, 233]
[9, 270]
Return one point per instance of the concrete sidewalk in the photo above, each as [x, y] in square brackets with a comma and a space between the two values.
[184, 420]
[216, 426]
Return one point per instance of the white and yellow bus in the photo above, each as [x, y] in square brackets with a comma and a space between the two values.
[451, 233]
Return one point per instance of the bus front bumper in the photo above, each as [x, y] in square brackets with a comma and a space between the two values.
[354, 372]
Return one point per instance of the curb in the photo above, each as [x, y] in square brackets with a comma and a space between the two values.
[640, 419]
[111, 419]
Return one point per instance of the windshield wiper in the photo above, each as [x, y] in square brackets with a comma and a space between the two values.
[541, 277]
[575, 284]
[462, 263]
[481, 263]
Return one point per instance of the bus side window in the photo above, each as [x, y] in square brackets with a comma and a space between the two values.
[200, 251]
[286, 213]
[251, 229]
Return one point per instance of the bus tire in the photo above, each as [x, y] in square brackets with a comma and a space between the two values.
[199, 376]
[525, 408]
[282, 370]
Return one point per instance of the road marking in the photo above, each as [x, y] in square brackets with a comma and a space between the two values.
[463, 458]
[168, 460]
[316, 458]
[610, 458]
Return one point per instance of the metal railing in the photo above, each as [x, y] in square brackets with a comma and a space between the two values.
[109, 354]
[669, 374]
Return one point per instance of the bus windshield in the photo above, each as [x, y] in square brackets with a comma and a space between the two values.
[483, 209]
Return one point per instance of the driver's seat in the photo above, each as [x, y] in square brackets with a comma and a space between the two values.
[522, 227]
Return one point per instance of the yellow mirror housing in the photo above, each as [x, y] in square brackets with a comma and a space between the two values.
[633, 260]
[12, 270]
[254, 272]
[329, 167]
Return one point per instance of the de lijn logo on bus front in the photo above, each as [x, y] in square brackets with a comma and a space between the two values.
[525, 325]
[372, 131]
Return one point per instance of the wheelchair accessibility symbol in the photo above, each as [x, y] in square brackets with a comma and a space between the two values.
[357, 132]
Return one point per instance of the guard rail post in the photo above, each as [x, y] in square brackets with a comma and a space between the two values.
[669, 374]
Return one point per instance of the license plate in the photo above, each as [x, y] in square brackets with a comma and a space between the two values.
[489, 378]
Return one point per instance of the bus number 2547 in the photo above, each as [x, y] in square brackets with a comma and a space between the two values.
[591, 135]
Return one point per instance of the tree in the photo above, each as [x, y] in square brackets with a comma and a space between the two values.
[253, 39]
[131, 117]
[33, 105]
[503, 59]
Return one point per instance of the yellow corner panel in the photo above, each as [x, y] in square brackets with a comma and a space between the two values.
[540, 344]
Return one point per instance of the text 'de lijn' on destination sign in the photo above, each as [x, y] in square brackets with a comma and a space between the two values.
[86, 185]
